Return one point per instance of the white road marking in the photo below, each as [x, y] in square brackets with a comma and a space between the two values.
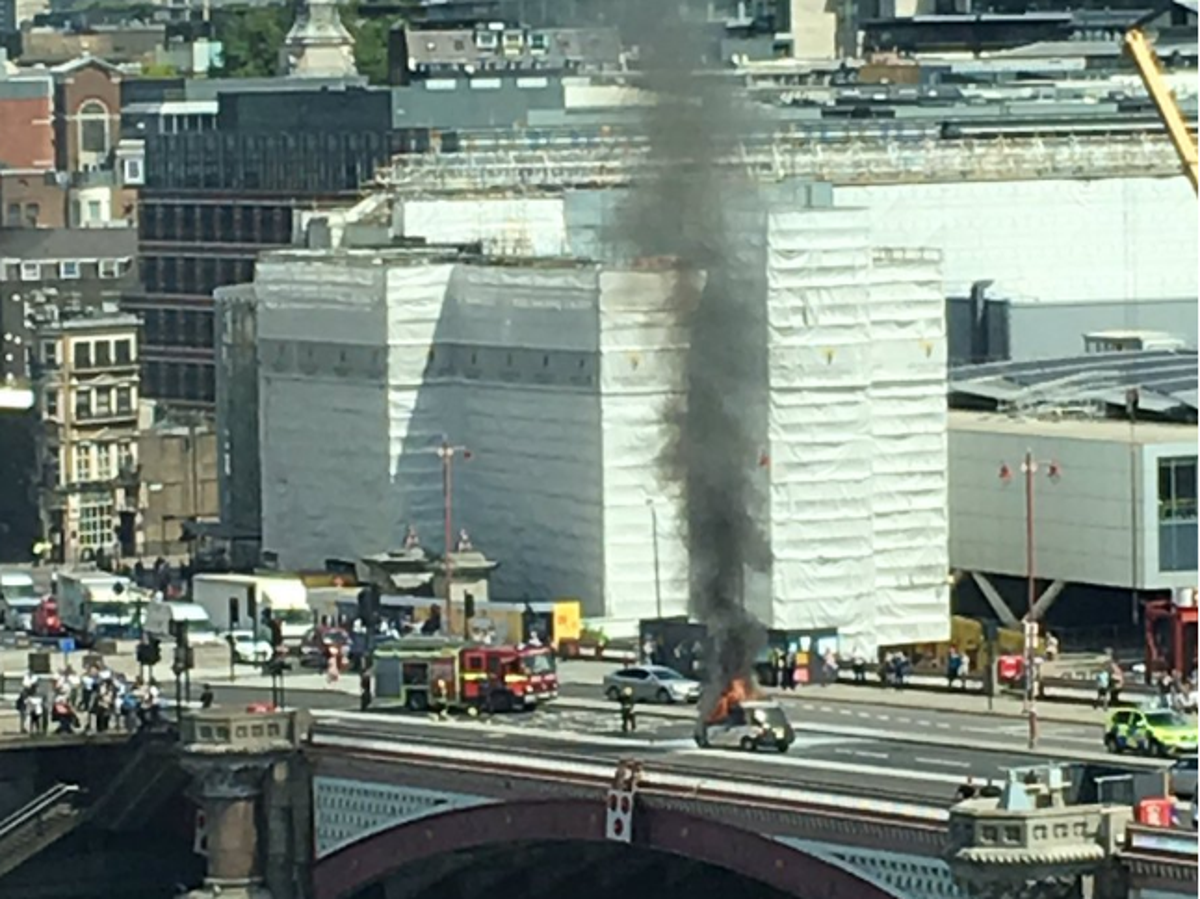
[845, 712]
[865, 715]
[942, 763]
[862, 753]
[905, 720]
[942, 724]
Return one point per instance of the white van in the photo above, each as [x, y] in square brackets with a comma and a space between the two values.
[161, 615]
[19, 599]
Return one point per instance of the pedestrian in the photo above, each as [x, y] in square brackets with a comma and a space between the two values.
[23, 708]
[331, 665]
[207, 697]
[441, 699]
[829, 668]
[628, 711]
[38, 724]
[364, 687]
[859, 666]
[103, 704]
[953, 666]
[1116, 682]
[1102, 677]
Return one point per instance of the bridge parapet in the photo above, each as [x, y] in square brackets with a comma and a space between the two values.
[1029, 842]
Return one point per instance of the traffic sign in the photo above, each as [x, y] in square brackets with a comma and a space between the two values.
[66, 645]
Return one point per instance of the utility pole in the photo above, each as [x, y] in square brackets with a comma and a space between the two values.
[1029, 468]
[658, 606]
[446, 452]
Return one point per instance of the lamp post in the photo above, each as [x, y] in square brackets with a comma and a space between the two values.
[1029, 468]
[446, 452]
[658, 607]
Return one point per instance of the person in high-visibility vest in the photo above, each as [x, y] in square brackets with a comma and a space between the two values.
[441, 699]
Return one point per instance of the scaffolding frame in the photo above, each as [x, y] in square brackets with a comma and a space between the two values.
[618, 162]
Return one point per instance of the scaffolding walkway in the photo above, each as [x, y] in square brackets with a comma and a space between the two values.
[856, 162]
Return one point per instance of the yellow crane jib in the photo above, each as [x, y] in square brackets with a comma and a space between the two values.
[1146, 61]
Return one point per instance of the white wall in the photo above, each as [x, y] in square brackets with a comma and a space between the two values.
[1133, 238]
[1083, 520]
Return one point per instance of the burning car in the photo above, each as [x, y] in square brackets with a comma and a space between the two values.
[741, 720]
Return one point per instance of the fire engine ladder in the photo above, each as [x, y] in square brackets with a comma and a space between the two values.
[1146, 61]
[34, 827]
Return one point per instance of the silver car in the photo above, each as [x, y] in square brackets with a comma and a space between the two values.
[1183, 778]
[652, 683]
[750, 726]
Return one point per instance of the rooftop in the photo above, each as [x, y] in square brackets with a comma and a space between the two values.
[1166, 381]
[1110, 430]
[68, 243]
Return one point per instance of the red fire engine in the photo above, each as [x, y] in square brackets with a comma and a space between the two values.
[1171, 634]
[475, 675]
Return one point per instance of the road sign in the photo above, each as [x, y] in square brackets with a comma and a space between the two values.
[66, 645]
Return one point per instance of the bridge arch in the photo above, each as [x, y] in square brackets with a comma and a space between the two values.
[785, 870]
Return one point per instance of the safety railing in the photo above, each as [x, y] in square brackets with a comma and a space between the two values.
[52, 799]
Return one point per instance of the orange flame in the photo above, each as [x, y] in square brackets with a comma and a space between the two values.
[739, 690]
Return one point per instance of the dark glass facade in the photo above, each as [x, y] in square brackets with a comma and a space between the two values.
[214, 200]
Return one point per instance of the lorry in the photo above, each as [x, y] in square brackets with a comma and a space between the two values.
[163, 620]
[479, 677]
[19, 599]
[248, 602]
[94, 604]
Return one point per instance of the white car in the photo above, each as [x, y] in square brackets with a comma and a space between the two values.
[652, 683]
[248, 649]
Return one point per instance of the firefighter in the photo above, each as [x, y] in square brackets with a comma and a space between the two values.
[628, 711]
[441, 699]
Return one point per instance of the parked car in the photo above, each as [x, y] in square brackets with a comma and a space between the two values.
[250, 649]
[652, 683]
[1183, 778]
[318, 643]
[750, 726]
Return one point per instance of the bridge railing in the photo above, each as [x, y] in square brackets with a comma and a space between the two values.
[653, 781]
[51, 799]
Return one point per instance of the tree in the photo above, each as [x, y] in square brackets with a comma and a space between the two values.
[251, 38]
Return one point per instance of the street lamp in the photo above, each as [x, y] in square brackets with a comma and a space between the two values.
[658, 607]
[1029, 467]
[446, 452]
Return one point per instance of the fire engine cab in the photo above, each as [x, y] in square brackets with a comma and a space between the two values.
[476, 676]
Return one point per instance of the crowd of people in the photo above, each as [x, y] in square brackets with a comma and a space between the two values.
[97, 701]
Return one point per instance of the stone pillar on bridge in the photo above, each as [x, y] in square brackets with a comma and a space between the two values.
[1029, 843]
[229, 753]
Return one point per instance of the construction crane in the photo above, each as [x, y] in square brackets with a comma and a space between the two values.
[1146, 61]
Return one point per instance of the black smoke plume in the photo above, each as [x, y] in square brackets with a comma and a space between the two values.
[683, 209]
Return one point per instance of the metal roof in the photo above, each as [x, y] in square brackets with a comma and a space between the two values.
[1166, 381]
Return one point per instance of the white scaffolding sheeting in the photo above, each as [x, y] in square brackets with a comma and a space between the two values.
[910, 602]
[819, 422]
[640, 358]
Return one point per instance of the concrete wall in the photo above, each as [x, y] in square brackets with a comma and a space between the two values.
[1053, 330]
[1096, 523]
[179, 480]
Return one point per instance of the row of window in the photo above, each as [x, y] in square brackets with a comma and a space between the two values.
[194, 275]
[1177, 489]
[92, 402]
[207, 223]
[69, 269]
[18, 215]
[98, 353]
[187, 382]
[96, 525]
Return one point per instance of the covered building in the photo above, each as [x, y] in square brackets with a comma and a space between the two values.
[1113, 437]
[554, 372]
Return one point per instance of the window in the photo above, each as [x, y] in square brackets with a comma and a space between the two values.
[50, 353]
[68, 271]
[132, 170]
[110, 268]
[31, 271]
[83, 403]
[96, 525]
[125, 456]
[103, 352]
[124, 400]
[83, 462]
[93, 127]
[12, 215]
[103, 401]
[94, 212]
[52, 404]
[104, 461]
[82, 354]
[32, 213]
[1177, 526]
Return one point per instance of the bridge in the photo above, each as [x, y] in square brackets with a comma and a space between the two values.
[354, 806]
